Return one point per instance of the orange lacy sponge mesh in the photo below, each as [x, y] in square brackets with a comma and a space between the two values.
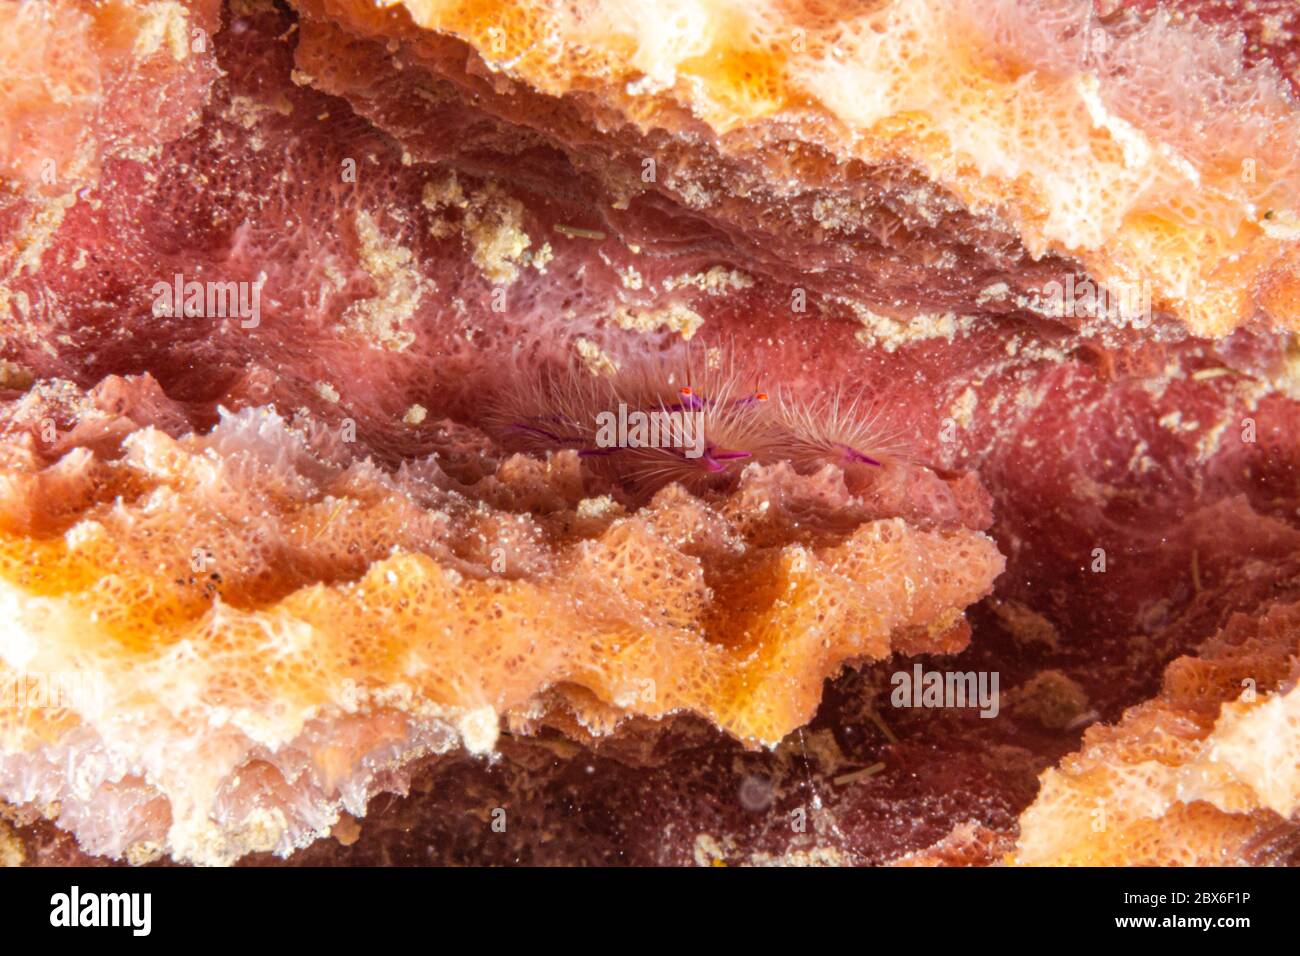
[1201, 775]
[1142, 147]
[260, 633]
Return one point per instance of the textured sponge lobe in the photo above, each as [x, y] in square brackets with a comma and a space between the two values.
[273, 632]
[1197, 776]
[1072, 127]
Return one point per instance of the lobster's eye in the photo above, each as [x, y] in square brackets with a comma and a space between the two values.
[760, 396]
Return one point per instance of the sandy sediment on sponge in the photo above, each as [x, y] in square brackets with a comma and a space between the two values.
[218, 643]
[1142, 147]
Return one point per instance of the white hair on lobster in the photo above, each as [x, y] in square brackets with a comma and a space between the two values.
[689, 418]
